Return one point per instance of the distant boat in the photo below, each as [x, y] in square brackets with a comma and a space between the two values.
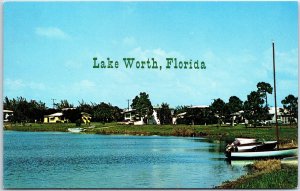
[75, 130]
[282, 153]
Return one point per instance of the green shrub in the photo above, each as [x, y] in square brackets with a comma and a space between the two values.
[78, 123]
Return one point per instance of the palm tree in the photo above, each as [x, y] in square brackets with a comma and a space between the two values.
[64, 104]
[264, 89]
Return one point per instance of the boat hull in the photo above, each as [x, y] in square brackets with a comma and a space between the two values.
[75, 130]
[263, 154]
[266, 146]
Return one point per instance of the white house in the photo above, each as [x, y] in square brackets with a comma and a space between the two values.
[7, 114]
[282, 115]
[130, 116]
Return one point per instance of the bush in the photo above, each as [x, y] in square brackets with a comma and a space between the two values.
[78, 123]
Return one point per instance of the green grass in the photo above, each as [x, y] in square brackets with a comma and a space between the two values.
[286, 134]
[284, 178]
[39, 127]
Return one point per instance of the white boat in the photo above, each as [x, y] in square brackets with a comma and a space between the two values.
[75, 130]
[282, 153]
[246, 144]
[245, 140]
[259, 146]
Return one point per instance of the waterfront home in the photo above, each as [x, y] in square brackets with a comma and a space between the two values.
[129, 114]
[236, 117]
[178, 116]
[282, 116]
[154, 120]
[131, 117]
[55, 118]
[59, 117]
[7, 114]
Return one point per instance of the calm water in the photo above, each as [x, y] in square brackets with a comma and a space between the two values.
[65, 160]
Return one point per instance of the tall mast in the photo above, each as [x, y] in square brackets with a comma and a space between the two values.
[274, 76]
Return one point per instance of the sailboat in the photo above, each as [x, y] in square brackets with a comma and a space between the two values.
[251, 149]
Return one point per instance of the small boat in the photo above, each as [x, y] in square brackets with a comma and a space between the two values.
[282, 153]
[75, 130]
[240, 145]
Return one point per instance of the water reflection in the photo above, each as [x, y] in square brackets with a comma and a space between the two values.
[215, 146]
[239, 163]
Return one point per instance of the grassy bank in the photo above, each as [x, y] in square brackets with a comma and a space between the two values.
[39, 127]
[227, 133]
[270, 174]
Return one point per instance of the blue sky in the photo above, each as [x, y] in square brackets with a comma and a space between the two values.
[49, 49]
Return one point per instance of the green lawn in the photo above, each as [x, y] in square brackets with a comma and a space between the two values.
[284, 178]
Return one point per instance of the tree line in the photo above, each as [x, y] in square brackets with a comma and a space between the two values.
[255, 109]
[33, 111]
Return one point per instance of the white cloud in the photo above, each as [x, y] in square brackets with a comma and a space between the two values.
[14, 84]
[85, 84]
[51, 32]
[19, 84]
[36, 86]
